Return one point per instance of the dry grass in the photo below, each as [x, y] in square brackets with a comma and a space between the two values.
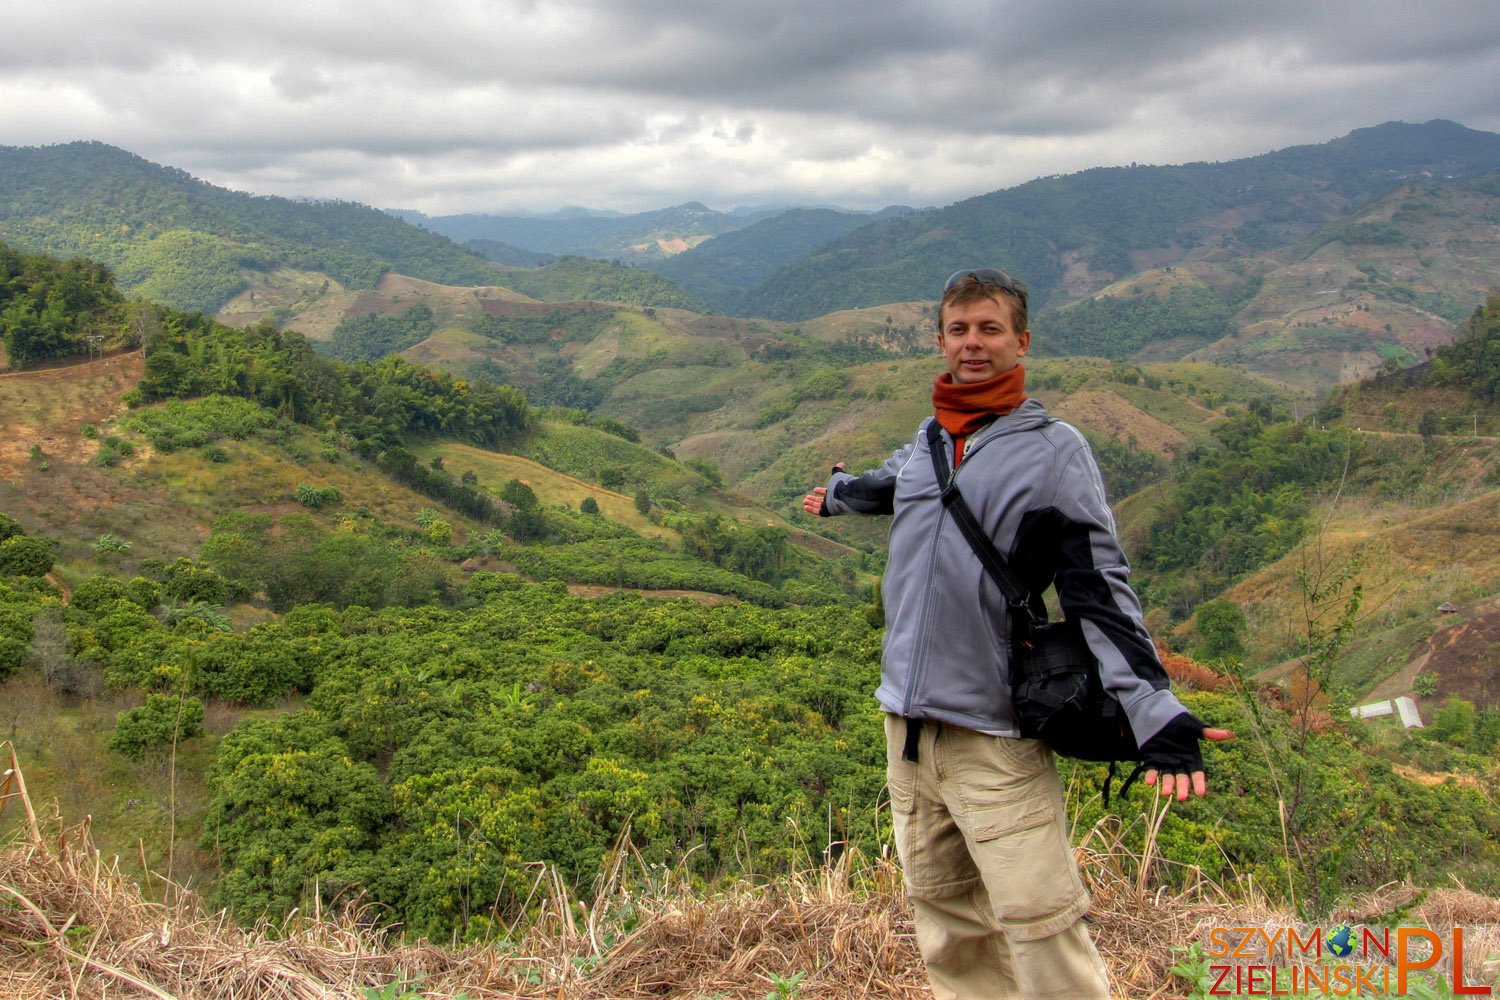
[72, 925]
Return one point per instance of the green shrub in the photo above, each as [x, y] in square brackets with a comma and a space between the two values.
[111, 545]
[22, 555]
[161, 721]
[111, 450]
[15, 637]
[185, 581]
[99, 592]
[317, 497]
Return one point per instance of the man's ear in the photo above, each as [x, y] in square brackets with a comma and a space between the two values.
[1024, 339]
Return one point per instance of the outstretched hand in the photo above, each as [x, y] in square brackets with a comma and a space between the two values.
[1181, 783]
[813, 502]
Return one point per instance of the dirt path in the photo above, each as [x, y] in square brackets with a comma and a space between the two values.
[71, 365]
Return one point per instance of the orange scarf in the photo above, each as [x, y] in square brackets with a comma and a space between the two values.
[963, 408]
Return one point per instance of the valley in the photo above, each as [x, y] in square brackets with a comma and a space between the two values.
[367, 568]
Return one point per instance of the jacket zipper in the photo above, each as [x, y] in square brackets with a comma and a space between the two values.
[919, 660]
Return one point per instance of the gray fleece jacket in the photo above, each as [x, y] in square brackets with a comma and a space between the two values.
[1033, 485]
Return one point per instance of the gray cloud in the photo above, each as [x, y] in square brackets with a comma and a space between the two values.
[509, 105]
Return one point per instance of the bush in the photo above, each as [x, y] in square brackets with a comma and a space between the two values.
[157, 724]
[317, 497]
[98, 593]
[111, 450]
[589, 506]
[15, 637]
[21, 555]
[111, 545]
[185, 580]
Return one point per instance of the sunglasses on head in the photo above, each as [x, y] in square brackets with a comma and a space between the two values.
[987, 276]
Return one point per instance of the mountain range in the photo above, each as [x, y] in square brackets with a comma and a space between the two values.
[1070, 236]
[443, 543]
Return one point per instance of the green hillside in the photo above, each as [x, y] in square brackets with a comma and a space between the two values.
[635, 238]
[1071, 235]
[173, 238]
[304, 631]
[1312, 266]
[574, 278]
[721, 270]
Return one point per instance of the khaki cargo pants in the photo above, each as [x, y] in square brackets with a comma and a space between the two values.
[982, 835]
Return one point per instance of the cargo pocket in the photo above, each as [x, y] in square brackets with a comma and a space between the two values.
[900, 775]
[1010, 818]
[1022, 853]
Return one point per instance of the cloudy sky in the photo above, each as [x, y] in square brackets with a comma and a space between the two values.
[532, 105]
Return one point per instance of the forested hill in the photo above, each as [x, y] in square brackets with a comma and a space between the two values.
[1070, 235]
[172, 238]
[633, 237]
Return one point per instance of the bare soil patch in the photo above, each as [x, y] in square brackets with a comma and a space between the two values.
[1107, 413]
[1464, 655]
[50, 406]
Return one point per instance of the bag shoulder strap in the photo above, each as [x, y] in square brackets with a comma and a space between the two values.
[994, 564]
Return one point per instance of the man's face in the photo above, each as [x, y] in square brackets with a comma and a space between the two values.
[979, 339]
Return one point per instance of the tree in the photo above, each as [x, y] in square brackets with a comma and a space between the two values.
[1221, 628]
[643, 501]
[163, 721]
[1430, 425]
[23, 555]
[15, 636]
[1454, 722]
[518, 495]
[589, 506]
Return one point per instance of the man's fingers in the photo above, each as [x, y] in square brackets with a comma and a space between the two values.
[1179, 786]
[1217, 735]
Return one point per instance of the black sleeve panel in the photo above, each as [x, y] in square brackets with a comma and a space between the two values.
[1052, 549]
[868, 494]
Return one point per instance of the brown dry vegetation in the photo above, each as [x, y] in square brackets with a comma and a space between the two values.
[1411, 561]
[71, 498]
[1106, 413]
[72, 924]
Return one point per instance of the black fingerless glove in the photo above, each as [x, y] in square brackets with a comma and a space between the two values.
[1175, 750]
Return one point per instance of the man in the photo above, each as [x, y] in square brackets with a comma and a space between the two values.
[978, 812]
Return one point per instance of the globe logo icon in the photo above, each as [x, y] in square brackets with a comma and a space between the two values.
[1340, 941]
